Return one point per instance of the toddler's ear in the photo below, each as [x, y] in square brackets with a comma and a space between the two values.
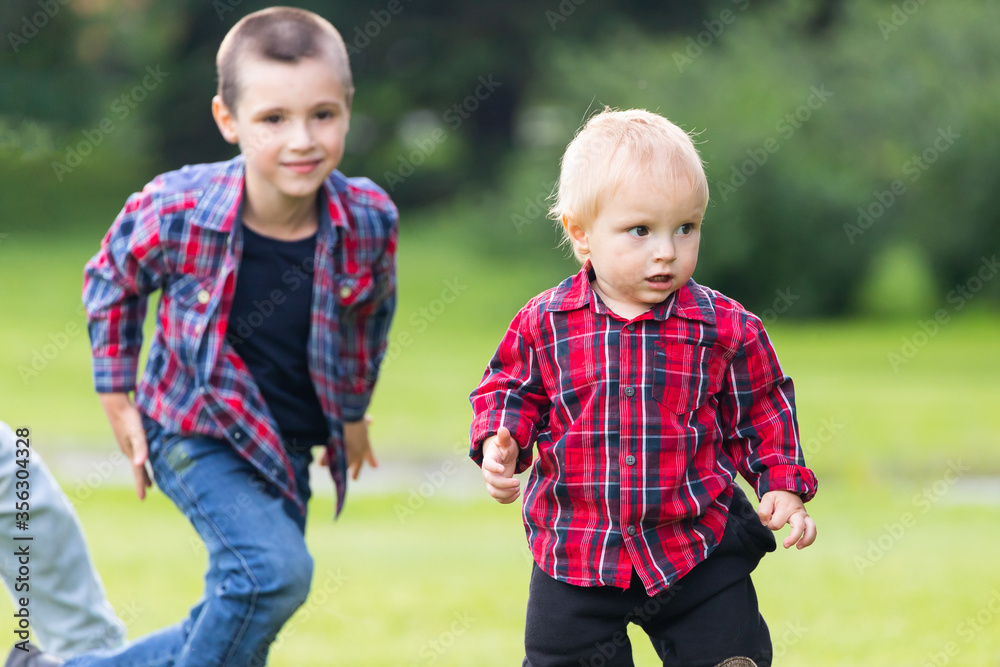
[577, 234]
[225, 120]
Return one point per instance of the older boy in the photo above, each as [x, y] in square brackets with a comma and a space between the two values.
[645, 392]
[278, 285]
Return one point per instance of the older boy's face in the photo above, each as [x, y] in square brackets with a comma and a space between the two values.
[643, 244]
[290, 121]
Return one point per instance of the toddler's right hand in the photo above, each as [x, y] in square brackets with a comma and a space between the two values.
[499, 461]
[126, 423]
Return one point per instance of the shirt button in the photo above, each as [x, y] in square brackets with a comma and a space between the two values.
[631, 530]
[629, 391]
[204, 296]
[630, 460]
[238, 435]
[197, 328]
[630, 327]
[345, 292]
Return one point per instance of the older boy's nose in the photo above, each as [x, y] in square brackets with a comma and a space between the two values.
[301, 137]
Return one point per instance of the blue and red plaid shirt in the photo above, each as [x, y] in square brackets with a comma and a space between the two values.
[181, 235]
[641, 426]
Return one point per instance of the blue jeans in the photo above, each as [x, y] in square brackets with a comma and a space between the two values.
[259, 570]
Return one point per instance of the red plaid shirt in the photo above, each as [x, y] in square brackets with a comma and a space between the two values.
[641, 426]
[180, 235]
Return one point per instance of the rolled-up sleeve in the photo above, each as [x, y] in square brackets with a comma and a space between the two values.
[116, 284]
[759, 418]
[511, 395]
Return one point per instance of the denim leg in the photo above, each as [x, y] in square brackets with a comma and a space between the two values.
[259, 570]
[69, 611]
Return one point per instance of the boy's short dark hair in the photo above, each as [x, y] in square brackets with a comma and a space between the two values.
[284, 34]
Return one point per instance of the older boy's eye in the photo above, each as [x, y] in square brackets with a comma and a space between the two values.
[641, 230]
[272, 118]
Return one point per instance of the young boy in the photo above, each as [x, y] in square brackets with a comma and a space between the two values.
[278, 286]
[645, 392]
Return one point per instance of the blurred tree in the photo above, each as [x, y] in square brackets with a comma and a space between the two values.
[425, 57]
[833, 130]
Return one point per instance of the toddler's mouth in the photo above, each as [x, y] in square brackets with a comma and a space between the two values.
[660, 282]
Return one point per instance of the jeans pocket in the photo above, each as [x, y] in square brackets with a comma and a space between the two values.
[166, 449]
[153, 431]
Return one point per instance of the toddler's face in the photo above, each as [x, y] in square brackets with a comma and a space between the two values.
[291, 120]
[643, 244]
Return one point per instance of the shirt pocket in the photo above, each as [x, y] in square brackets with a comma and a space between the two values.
[682, 376]
[190, 295]
[354, 289]
[187, 311]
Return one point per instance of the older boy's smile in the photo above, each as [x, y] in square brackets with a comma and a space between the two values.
[302, 166]
[291, 121]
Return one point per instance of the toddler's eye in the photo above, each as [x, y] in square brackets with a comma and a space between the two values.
[324, 115]
[640, 230]
[685, 229]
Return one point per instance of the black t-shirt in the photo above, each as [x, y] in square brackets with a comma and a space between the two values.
[269, 328]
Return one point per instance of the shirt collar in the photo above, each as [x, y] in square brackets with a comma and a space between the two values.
[334, 186]
[572, 293]
[694, 302]
[691, 301]
[221, 203]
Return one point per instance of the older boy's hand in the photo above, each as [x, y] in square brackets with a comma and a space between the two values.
[780, 507]
[358, 448]
[499, 461]
[126, 424]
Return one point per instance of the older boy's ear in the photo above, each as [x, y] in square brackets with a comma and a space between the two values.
[224, 120]
[577, 234]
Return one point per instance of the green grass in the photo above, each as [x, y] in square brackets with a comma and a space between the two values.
[453, 309]
[386, 590]
[881, 439]
[913, 419]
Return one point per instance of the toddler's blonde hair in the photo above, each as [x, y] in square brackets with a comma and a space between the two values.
[616, 146]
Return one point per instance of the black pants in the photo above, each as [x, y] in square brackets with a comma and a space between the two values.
[709, 615]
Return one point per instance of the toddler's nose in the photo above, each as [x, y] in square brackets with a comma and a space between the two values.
[663, 250]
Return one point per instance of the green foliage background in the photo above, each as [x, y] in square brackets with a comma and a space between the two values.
[807, 112]
[890, 397]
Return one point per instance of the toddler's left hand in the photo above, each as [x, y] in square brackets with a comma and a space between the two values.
[780, 507]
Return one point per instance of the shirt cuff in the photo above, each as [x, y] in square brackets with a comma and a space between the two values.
[487, 424]
[115, 374]
[354, 406]
[796, 479]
